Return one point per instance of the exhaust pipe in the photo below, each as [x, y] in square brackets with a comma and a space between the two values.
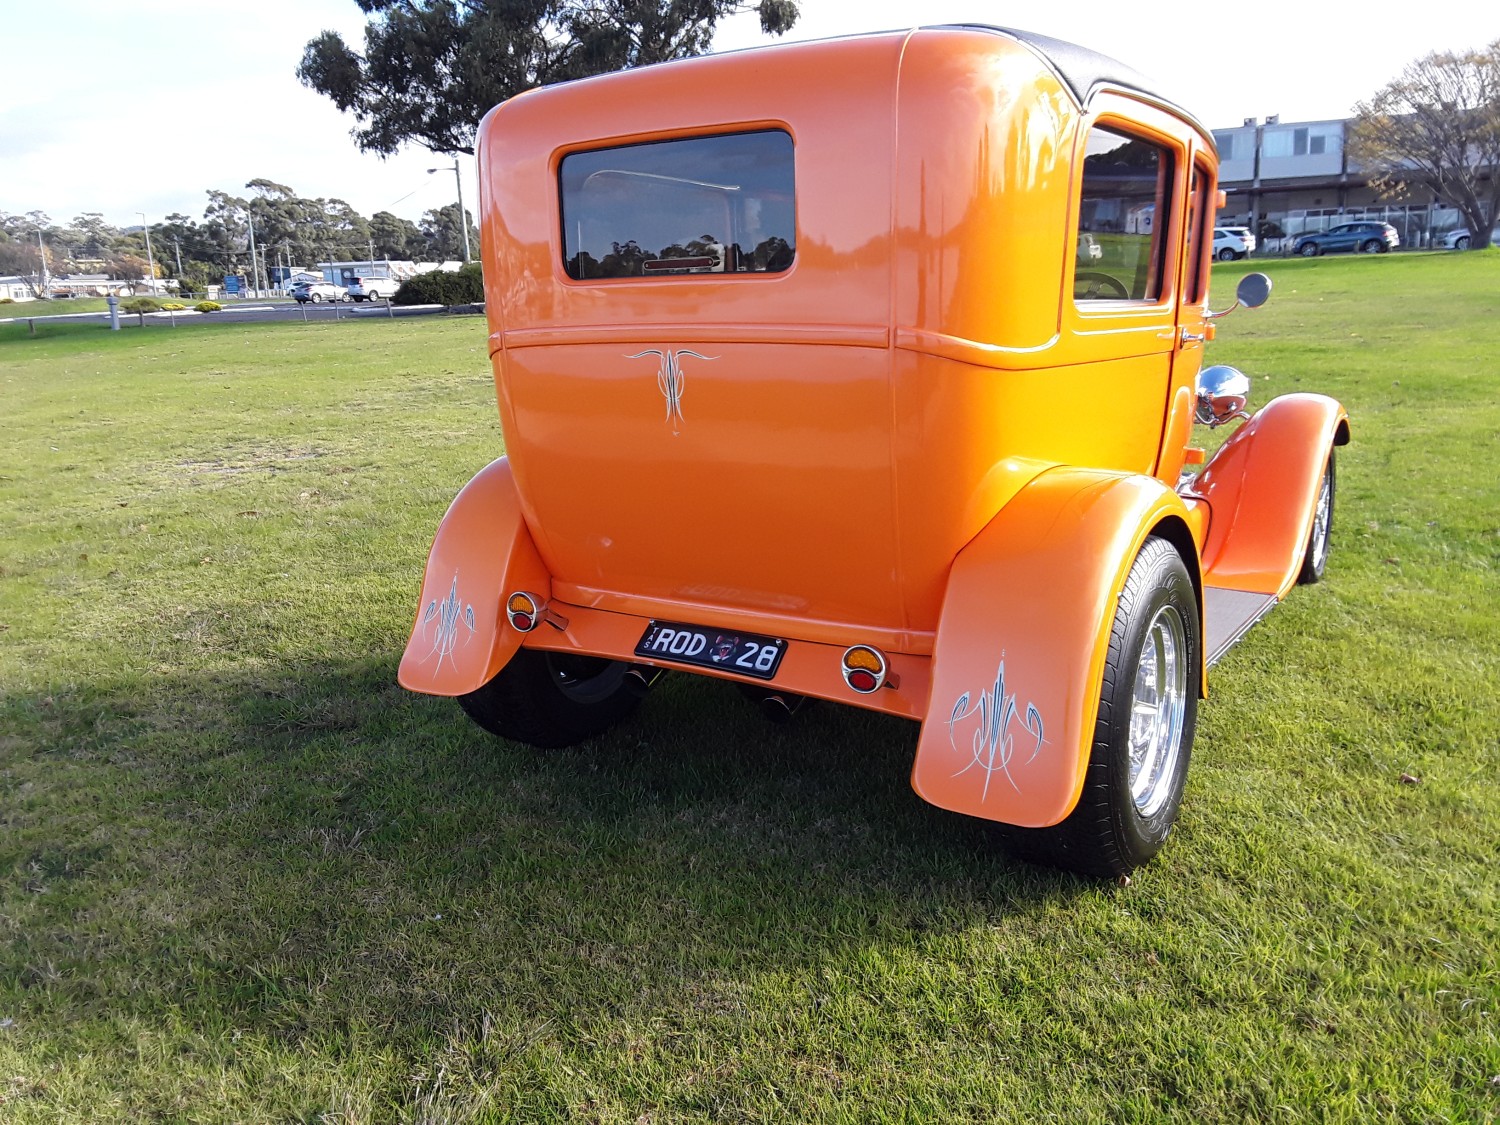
[779, 707]
[640, 678]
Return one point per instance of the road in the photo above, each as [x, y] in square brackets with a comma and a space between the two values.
[249, 312]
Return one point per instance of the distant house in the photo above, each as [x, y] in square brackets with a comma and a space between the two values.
[17, 288]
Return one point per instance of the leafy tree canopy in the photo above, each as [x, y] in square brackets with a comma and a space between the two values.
[1437, 125]
[431, 69]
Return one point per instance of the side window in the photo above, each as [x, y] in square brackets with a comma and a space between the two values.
[1123, 219]
[1200, 215]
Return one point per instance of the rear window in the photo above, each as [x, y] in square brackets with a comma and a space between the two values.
[699, 205]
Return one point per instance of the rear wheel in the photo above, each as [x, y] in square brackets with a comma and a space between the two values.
[1227, 255]
[1315, 557]
[1373, 246]
[316, 298]
[553, 699]
[1143, 735]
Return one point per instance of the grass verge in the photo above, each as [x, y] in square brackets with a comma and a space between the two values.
[248, 878]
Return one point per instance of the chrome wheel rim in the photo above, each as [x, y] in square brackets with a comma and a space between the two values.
[1158, 703]
[1322, 517]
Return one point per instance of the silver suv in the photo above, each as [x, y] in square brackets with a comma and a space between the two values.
[317, 292]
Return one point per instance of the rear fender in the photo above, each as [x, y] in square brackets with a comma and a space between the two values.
[1019, 655]
[1262, 488]
[483, 552]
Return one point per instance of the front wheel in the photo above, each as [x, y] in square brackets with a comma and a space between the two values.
[1309, 250]
[1315, 557]
[553, 699]
[1462, 243]
[1143, 734]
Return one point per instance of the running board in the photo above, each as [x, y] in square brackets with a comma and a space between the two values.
[1228, 615]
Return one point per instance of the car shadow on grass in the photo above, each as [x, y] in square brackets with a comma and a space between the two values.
[317, 854]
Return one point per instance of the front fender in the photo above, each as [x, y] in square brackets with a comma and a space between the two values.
[1262, 487]
[482, 553]
[1019, 655]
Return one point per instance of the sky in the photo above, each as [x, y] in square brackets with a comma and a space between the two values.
[142, 107]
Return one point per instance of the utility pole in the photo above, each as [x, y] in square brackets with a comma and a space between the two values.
[463, 219]
[254, 280]
[150, 260]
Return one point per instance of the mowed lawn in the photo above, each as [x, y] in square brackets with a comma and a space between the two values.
[248, 878]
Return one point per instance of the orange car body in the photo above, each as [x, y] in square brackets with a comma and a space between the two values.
[921, 435]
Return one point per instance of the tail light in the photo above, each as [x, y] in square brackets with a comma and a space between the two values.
[523, 611]
[865, 669]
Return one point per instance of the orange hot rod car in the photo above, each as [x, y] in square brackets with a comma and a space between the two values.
[867, 370]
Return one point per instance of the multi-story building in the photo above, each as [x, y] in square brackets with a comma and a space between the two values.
[1297, 177]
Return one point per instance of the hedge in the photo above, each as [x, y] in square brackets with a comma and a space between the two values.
[439, 287]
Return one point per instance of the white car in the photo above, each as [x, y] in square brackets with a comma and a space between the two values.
[1461, 238]
[317, 292]
[371, 288]
[1232, 242]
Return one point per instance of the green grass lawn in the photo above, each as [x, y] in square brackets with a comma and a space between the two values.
[247, 878]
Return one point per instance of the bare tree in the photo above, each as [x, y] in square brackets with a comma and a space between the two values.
[1437, 125]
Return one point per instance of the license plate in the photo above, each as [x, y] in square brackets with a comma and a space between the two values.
[745, 654]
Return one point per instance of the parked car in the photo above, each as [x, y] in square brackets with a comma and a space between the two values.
[371, 288]
[1461, 239]
[1232, 242]
[890, 443]
[1365, 237]
[316, 292]
[1244, 233]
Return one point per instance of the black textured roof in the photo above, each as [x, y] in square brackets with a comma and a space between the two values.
[1079, 68]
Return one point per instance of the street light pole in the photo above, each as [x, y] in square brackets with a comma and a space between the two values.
[150, 260]
[463, 219]
[41, 248]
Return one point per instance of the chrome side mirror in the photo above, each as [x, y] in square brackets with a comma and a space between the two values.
[1253, 291]
[1223, 392]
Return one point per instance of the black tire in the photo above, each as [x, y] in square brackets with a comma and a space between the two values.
[1117, 826]
[1373, 246]
[1309, 250]
[1227, 255]
[552, 699]
[316, 298]
[1319, 536]
[1462, 243]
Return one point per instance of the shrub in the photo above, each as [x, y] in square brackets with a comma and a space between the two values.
[141, 305]
[208, 306]
[7, 300]
[465, 287]
[172, 306]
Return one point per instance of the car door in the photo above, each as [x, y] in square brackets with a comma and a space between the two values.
[1119, 340]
